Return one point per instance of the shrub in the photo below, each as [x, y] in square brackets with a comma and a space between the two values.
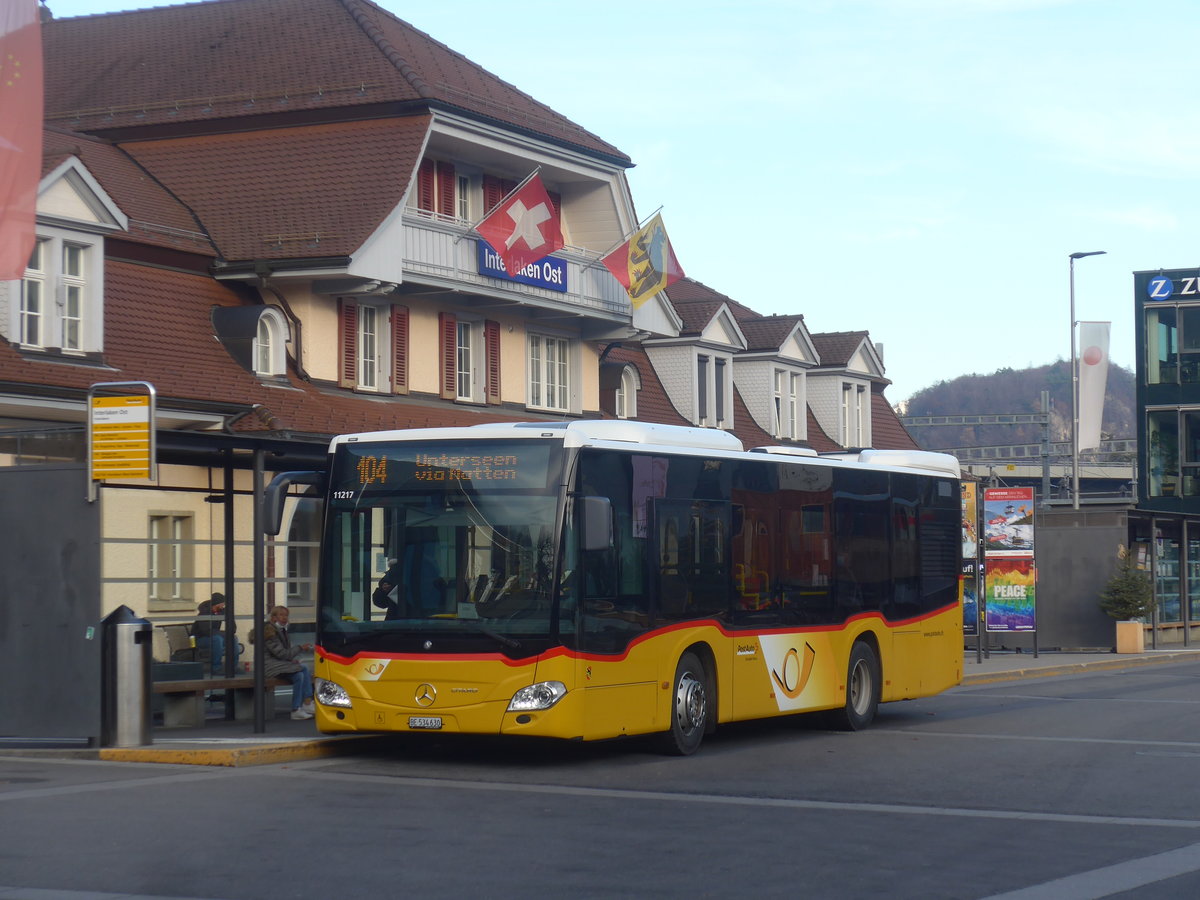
[1129, 593]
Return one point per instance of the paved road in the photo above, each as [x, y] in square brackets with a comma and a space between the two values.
[1066, 786]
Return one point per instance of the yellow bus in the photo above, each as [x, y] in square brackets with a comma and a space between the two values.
[597, 579]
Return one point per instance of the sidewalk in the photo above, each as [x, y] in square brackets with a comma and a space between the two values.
[224, 742]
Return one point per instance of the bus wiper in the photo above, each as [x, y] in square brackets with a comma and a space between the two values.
[500, 638]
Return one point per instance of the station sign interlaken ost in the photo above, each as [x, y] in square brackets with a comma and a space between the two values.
[120, 437]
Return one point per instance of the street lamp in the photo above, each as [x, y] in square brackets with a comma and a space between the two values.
[1075, 384]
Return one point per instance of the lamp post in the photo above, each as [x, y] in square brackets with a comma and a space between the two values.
[1075, 384]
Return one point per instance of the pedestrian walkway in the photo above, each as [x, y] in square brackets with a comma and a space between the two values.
[227, 742]
[1010, 665]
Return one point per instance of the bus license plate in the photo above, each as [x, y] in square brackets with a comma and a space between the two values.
[433, 722]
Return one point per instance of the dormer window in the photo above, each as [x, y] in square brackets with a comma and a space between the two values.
[788, 404]
[269, 340]
[625, 398]
[56, 311]
[714, 388]
[255, 336]
[856, 423]
[619, 386]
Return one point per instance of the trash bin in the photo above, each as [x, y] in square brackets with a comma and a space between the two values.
[125, 645]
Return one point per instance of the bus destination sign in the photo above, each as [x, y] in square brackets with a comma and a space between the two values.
[480, 464]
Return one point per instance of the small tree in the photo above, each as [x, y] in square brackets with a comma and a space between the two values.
[1129, 593]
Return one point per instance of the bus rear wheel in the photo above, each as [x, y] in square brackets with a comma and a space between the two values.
[689, 708]
[863, 687]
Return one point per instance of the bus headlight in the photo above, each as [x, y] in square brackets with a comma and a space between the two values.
[329, 693]
[542, 695]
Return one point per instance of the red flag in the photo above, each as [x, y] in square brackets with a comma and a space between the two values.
[646, 263]
[20, 132]
[523, 228]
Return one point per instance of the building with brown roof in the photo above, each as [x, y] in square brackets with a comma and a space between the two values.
[264, 209]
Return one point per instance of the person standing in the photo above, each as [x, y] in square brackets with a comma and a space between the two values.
[279, 654]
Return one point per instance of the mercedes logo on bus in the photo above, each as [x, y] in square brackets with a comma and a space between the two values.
[426, 694]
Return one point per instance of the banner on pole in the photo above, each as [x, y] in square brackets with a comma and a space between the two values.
[1093, 380]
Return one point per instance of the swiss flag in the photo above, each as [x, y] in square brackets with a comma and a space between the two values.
[523, 228]
[20, 132]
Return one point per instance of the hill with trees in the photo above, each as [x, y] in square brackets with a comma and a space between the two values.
[1007, 391]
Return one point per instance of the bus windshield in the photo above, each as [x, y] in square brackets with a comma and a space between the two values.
[427, 549]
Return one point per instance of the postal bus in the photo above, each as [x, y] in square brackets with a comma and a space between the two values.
[597, 579]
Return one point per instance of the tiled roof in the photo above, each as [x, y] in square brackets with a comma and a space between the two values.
[155, 217]
[768, 332]
[817, 438]
[312, 191]
[187, 67]
[180, 357]
[886, 431]
[697, 303]
[695, 314]
[837, 347]
[653, 404]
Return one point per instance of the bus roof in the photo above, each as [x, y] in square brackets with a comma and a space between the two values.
[592, 432]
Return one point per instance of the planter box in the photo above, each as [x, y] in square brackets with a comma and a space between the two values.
[1131, 637]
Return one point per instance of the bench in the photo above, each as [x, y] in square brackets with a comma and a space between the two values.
[183, 701]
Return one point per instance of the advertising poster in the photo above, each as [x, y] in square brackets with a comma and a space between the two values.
[970, 600]
[1008, 521]
[970, 520]
[1009, 592]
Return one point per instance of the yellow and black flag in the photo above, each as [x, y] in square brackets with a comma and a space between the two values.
[646, 263]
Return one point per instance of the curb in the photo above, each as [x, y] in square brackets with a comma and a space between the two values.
[257, 755]
[1070, 668]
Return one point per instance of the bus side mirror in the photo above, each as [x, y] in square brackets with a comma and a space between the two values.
[276, 493]
[595, 523]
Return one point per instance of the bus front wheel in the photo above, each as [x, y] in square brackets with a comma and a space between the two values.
[689, 708]
[863, 687]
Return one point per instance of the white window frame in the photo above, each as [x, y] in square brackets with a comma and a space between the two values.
[369, 342]
[170, 563]
[855, 415]
[861, 411]
[303, 541]
[549, 380]
[270, 339]
[31, 316]
[74, 295]
[462, 197]
[467, 343]
[625, 394]
[786, 407]
[69, 317]
[714, 389]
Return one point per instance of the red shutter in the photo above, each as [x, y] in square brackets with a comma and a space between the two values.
[492, 193]
[506, 187]
[446, 187]
[448, 329]
[348, 341]
[399, 349]
[491, 341]
[556, 201]
[425, 183]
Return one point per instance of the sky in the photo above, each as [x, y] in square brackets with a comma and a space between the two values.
[918, 169]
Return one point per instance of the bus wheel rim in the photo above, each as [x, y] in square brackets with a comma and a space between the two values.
[860, 687]
[690, 705]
